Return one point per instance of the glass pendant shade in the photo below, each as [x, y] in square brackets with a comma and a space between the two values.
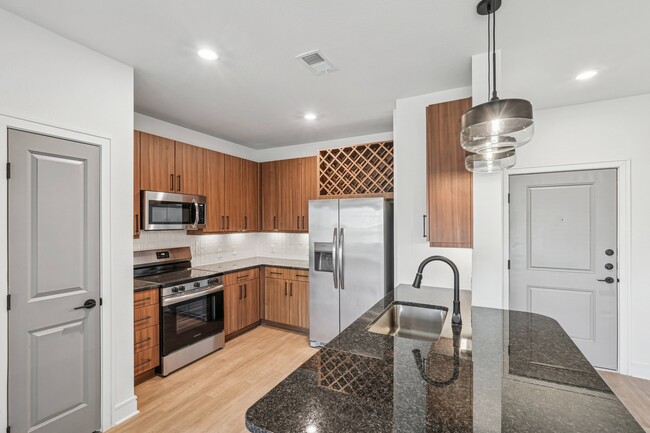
[500, 125]
[490, 162]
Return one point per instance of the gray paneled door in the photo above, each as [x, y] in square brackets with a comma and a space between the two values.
[563, 255]
[54, 346]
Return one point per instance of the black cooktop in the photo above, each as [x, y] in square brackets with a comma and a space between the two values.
[178, 277]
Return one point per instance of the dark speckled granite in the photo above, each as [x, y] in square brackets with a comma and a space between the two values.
[140, 285]
[505, 371]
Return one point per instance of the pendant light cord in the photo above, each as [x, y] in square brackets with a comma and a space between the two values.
[494, 56]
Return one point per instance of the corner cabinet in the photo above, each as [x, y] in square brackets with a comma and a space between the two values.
[449, 184]
[287, 187]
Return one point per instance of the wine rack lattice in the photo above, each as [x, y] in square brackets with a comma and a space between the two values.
[365, 170]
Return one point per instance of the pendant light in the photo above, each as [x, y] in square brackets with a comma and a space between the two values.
[493, 130]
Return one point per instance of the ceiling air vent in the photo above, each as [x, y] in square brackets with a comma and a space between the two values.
[316, 62]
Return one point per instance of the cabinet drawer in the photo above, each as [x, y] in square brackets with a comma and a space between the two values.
[276, 273]
[146, 360]
[146, 338]
[145, 298]
[145, 317]
[297, 274]
[241, 276]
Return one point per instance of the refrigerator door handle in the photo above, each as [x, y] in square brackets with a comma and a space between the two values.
[335, 271]
[341, 267]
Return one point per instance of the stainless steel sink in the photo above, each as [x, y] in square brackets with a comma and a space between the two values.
[409, 320]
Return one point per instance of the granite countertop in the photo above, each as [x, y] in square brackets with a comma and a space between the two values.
[252, 262]
[505, 371]
[140, 285]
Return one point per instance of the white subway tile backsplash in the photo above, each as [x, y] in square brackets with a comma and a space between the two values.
[223, 247]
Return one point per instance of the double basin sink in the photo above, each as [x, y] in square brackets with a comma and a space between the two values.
[410, 320]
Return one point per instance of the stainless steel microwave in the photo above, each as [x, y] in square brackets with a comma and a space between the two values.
[171, 211]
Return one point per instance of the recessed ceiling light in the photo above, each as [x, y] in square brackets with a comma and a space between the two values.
[207, 54]
[586, 75]
[310, 116]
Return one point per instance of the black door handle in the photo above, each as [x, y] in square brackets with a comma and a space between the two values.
[89, 304]
[608, 280]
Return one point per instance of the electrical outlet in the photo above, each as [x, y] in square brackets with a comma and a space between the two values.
[272, 248]
[219, 253]
[234, 249]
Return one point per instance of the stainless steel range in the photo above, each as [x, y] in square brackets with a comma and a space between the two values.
[191, 305]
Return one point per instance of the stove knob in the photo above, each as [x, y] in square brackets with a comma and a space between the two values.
[175, 290]
[197, 284]
[181, 289]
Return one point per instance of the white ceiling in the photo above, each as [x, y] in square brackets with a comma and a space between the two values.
[257, 93]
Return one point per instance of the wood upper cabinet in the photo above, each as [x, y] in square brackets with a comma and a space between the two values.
[250, 182]
[167, 165]
[287, 186]
[449, 184]
[189, 169]
[233, 191]
[156, 163]
[213, 164]
[136, 183]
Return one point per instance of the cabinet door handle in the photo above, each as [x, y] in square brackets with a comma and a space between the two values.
[290, 289]
[245, 223]
[142, 320]
[274, 223]
[285, 288]
[171, 177]
[143, 341]
[242, 276]
[179, 183]
[227, 222]
[303, 222]
[240, 293]
[424, 226]
[298, 223]
[302, 276]
[275, 273]
[223, 222]
[141, 300]
[245, 291]
[137, 224]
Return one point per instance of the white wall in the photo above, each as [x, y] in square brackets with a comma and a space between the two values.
[217, 248]
[48, 79]
[311, 149]
[409, 122]
[189, 136]
[598, 132]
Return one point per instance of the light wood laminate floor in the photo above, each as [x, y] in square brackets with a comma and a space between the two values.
[213, 394]
[634, 393]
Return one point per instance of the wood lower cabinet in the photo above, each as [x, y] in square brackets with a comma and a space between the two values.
[286, 297]
[136, 183]
[287, 187]
[241, 300]
[146, 343]
[449, 184]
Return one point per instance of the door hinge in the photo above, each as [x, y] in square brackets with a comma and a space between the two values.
[101, 302]
[508, 264]
[8, 170]
[8, 302]
[508, 198]
[8, 429]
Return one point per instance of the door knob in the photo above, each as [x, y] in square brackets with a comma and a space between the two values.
[608, 280]
[89, 304]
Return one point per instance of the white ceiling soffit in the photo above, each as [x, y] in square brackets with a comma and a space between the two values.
[256, 94]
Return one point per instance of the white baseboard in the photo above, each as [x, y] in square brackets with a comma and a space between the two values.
[125, 410]
[640, 370]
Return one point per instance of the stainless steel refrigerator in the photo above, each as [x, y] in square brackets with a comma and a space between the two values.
[350, 262]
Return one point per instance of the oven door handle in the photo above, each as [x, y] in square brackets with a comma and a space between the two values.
[176, 299]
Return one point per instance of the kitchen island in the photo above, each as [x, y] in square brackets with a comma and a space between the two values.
[503, 371]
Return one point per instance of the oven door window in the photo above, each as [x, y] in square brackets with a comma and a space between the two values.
[190, 321]
[171, 213]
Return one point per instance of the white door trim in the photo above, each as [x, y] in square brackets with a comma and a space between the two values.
[623, 235]
[104, 144]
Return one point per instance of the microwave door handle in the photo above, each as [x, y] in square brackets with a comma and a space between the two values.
[196, 215]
